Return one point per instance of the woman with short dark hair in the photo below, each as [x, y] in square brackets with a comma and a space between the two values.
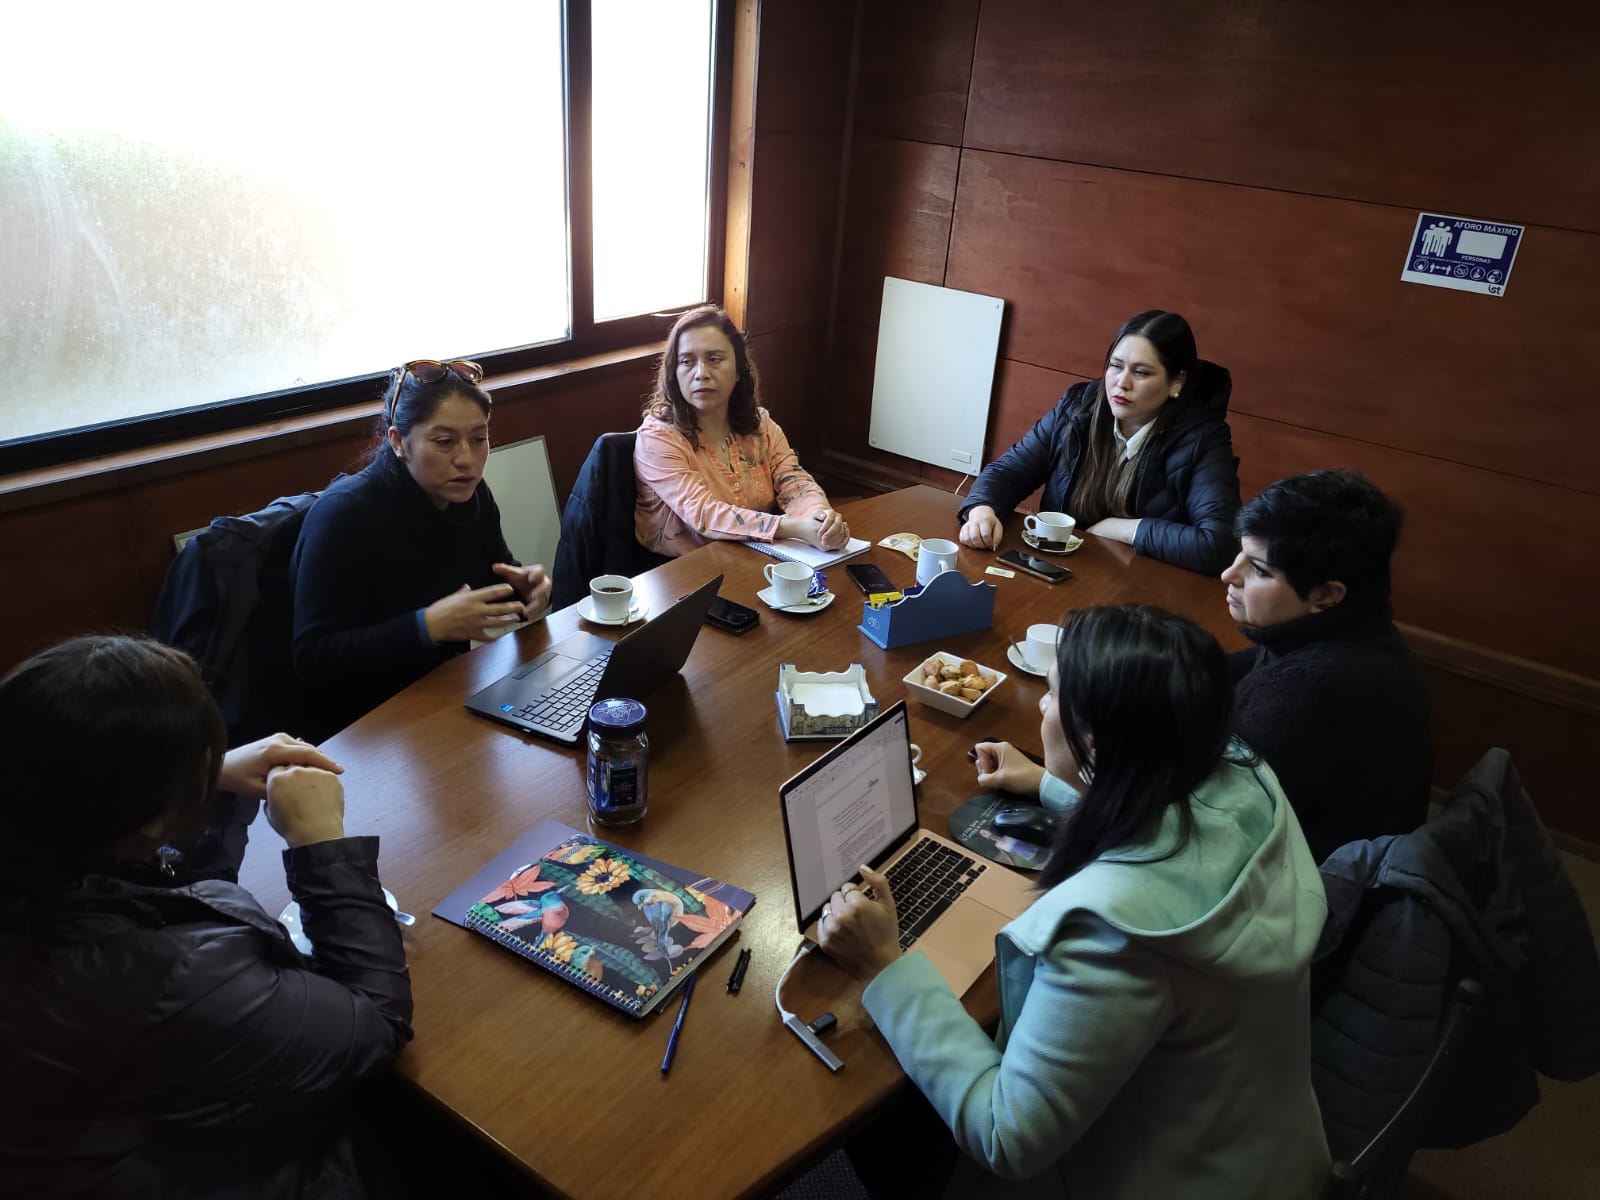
[404, 564]
[1155, 1009]
[1328, 693]
[1142, 455]
[710, 460]
[161, 1036]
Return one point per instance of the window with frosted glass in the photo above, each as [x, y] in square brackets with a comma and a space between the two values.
[203, 201]
[652, 112]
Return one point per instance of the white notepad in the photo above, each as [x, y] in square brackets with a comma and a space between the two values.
[794, 550]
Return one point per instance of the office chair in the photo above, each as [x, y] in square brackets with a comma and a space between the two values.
[597, 523]
[226, 602]
[1379, 1171]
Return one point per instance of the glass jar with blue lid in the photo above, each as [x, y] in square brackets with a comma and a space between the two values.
[619, 760]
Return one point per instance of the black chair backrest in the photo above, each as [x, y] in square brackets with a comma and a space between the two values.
[226, 602]
[1379, 1171]
[597, 523]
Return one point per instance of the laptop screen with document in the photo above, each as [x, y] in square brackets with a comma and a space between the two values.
[853, 805]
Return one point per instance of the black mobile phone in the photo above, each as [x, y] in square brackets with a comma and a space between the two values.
[869, 578]
[730, 617]
[1048, 571]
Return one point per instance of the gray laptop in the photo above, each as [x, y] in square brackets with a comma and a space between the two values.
[857, 804]
[551, 695]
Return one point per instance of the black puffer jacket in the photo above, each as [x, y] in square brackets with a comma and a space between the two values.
[1186, 491]
[170, 1042]
[1478, 891]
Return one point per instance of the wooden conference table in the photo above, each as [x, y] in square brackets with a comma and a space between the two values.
[560, 1082]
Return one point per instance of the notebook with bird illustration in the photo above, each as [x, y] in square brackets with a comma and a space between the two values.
[622, 926]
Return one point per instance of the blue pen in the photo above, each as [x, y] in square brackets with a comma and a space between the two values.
[677, 1026]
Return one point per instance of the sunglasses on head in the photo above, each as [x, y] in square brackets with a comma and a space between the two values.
[431, 370]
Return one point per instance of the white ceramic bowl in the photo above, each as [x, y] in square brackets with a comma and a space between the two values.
[954, 705]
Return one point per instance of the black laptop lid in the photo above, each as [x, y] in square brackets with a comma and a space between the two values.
[654, 653]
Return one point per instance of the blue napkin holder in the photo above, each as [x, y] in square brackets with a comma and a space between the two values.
[951, 604]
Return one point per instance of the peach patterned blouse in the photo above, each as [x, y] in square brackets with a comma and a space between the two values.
[689, 496]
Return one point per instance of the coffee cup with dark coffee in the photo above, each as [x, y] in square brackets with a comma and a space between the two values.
[611, 596]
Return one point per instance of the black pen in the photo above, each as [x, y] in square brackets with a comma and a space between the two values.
[677, 1026]
[736, 979]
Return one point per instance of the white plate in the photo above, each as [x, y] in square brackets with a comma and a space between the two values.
[1073, 544]
[637, 611]
[1014, 657]
[289, 918]
[767, 597]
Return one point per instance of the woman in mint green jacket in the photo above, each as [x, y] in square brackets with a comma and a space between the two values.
[1155, 1028]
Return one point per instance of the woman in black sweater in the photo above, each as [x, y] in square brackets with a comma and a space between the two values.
[401, 565]
[1328, 694]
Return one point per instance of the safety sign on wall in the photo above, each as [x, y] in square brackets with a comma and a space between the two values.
[1469, 256]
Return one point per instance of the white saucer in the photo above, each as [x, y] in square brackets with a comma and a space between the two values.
[637, 611]
[289, 918]
[765, 595]
[1073, 543]
[1014, 657]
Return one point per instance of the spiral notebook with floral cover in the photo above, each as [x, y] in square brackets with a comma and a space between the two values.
[621, 925]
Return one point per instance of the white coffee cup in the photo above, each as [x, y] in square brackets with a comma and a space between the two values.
[791, 582]
[917, 773]
[1050, 526]
[611, 596]
[1039, 647]
[934, 557]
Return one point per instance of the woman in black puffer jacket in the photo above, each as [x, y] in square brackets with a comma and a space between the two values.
[161, 1036]
[1141, 456]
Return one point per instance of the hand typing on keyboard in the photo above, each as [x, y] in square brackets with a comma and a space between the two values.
[859, 931]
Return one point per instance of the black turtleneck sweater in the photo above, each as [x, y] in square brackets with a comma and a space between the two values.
[373, 551]
[1335, 704]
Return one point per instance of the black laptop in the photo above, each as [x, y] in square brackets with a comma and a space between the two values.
[551, 695]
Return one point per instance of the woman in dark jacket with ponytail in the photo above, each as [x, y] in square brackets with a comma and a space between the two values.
[160, 1036]
[1141, 456]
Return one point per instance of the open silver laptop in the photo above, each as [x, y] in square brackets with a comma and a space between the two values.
[856, 804]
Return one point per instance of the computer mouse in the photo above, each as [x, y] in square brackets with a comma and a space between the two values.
[1029, 822]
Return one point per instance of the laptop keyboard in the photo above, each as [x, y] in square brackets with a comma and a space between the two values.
[566, 705]
[925, 882]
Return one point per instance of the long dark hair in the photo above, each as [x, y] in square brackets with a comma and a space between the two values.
[100, 736]
[1145, 700]
[667, 402]
[1100, 488]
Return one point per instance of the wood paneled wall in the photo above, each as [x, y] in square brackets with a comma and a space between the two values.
[1259, 166]
[95, 562]
[802, 85]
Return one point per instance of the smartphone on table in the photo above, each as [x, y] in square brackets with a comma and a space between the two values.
[1038, 567]
[869, 578]
[730, 617]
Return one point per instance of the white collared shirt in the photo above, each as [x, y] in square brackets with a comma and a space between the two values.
[1129, 446]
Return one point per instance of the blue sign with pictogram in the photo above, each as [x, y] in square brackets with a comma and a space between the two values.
[1469, 256]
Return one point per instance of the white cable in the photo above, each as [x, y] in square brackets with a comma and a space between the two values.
[794, 1023]
[960, 485]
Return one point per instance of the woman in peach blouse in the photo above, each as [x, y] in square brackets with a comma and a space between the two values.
[712, 464]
